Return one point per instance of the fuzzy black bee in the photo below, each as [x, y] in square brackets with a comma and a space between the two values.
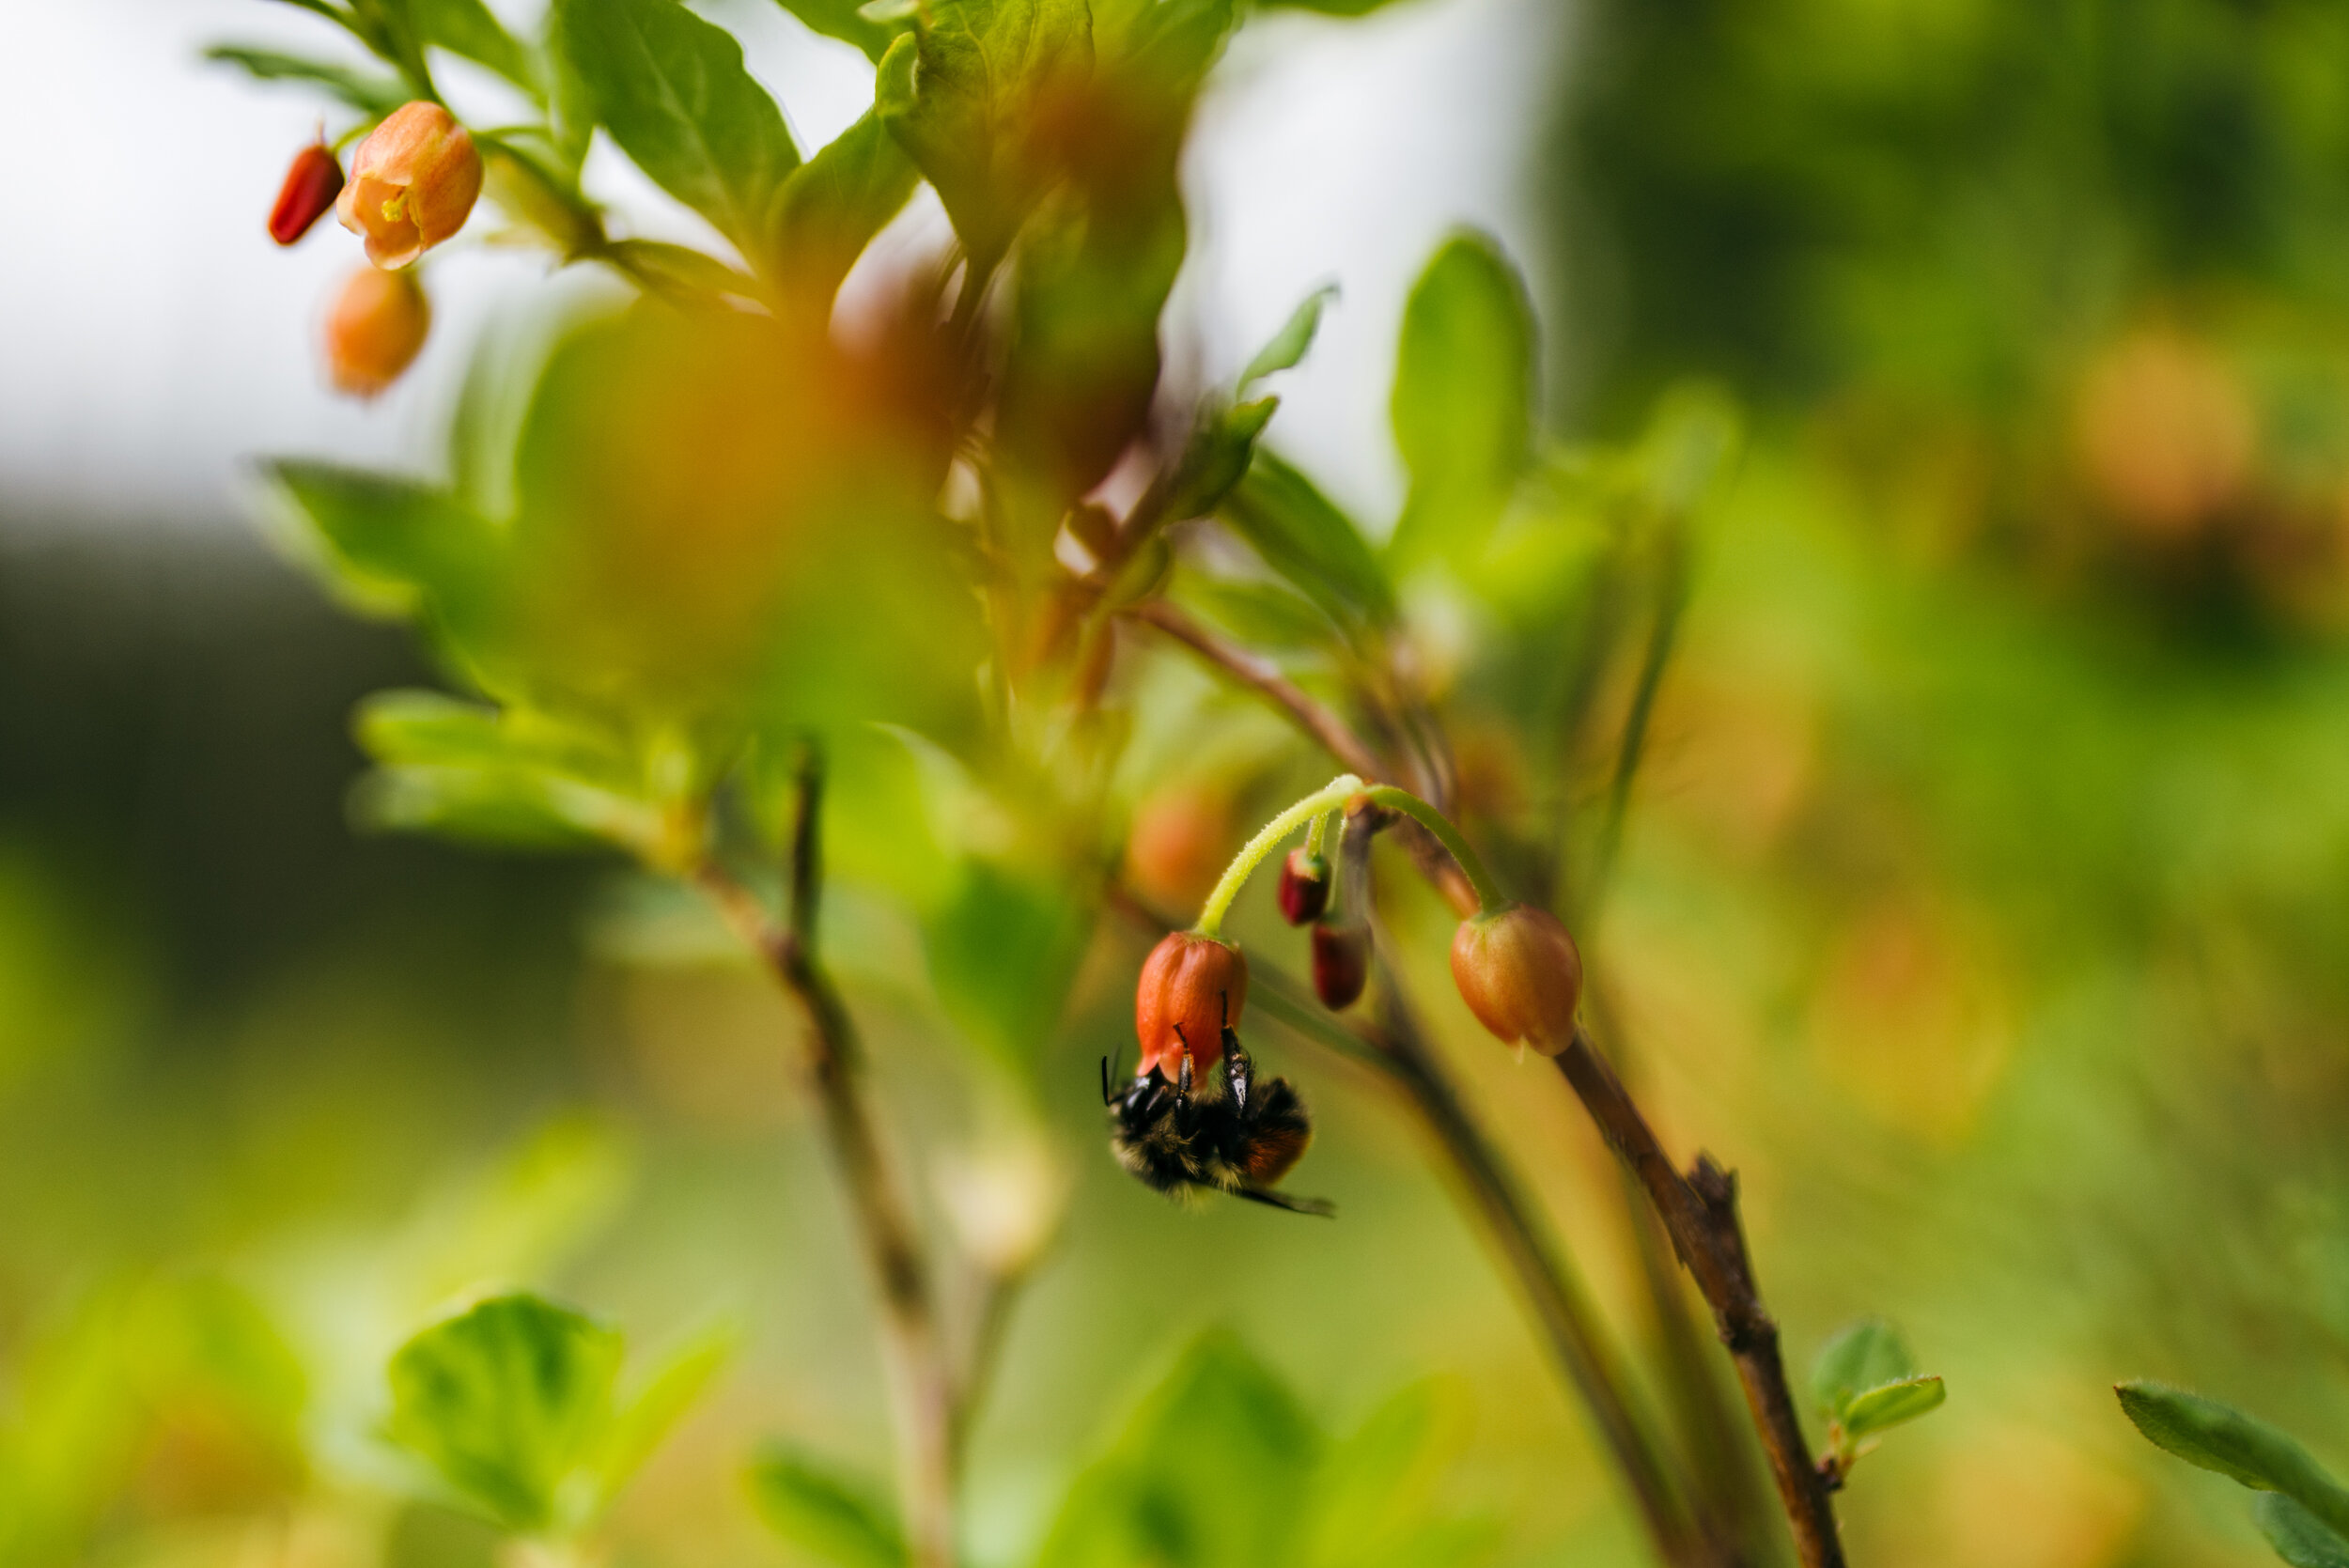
[1233, 1133]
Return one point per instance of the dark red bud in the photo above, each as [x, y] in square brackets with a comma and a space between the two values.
[1341, 964]
[1304, 886]
[312, 183]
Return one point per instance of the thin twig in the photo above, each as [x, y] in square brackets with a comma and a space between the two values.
[1700, 1213]
[1335, 735]
[922, 1384]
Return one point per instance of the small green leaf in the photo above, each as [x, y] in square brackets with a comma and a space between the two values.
[1003, 949]
[1222, 444]
[846, 20]
[814, 1508]
[1288, 346]
[1868, 1354]
[2299, 1537]
[470, 28]
[507, 808]
[1260, 614]
[2243, 1448]
[653, 1411]
[983, 66]
[395, 547]
[375, 96]
[831, 208]
[673, 91]
[509, 1401]
[681, 272]
[1889, 1405]
[1463, 403]
[1303, 535]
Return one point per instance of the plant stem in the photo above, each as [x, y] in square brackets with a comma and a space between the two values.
[1700, 1213]
[1251, 854]
[1546, 1282]
[1336, 737]
[922, 1384]
[1333, 734]
[1488, 894]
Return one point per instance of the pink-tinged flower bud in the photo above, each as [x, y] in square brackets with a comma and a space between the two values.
[1304, 886]
[374, 330]
[412, 184]
[312, 183]
[1193, 989]
[1520, 973]
[1341, 964]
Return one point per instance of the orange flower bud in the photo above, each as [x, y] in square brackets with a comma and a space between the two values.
[1341, 964]
[412, 184]
[374, 330]
[1304, 886]
[1520, 973]
[1192, 987]
[311, 186]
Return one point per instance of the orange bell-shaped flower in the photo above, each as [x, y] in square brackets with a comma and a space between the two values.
[1193, 987]
[412, 184]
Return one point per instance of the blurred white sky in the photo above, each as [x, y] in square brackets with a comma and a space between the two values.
[153, 339]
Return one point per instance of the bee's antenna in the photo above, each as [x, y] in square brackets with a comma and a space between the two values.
[1105, 1080]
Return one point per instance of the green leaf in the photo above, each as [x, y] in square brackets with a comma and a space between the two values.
[655, 1409]
[1209, 1470]
[1868, 1354]
[429, 729]
[375, 96]
[470, 28]
[1303, 535]
[509, 1401]
[816, 1508]
[1889, 1405]
[673, 91]
[846, 20]
[2243, 1448]
[396, 548]
[2299, 1537]
[1222, 446]
[831, 208]
[1288, 346]
[1260, 614]
[505, 808]
[1326, 7]
[983, 64]
[681, 272]
[1003, 949]
[1463, 402]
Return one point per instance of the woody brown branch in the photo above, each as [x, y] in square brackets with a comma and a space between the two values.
[922, 1383]
[1699, 1214]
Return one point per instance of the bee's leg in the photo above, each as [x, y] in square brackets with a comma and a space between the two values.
[1182, 1082]
[1320, 1207]
[1238, 1072]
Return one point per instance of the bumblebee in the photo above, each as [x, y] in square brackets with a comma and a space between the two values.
[1233, 1133]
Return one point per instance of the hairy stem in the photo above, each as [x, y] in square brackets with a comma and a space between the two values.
[922, 1383]
[1251, 854]
[1699, 1214]
[1488, 894]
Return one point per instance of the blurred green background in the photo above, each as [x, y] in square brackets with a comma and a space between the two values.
[1984, 897]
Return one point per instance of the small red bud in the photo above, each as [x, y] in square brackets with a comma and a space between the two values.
[1192, 987]
[1520, 973]
[1304, 886]
[312, 183]
[1341, 964]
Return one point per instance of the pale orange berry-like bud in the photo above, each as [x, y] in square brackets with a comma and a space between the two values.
[374, 330]
[1193, 989]
[412, 184]
[1520, 974]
